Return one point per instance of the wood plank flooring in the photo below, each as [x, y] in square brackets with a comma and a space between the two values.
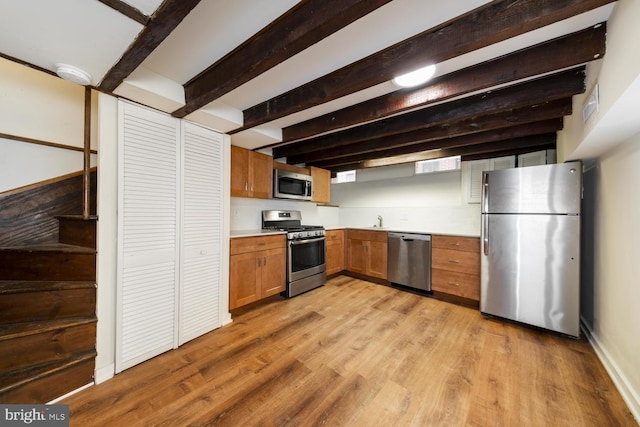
[354, 353]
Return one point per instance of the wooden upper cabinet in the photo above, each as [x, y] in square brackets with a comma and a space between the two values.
[321, 185]
[251, 174]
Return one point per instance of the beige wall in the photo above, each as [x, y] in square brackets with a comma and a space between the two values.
[39, 106]
[611, 277]
[618, 78]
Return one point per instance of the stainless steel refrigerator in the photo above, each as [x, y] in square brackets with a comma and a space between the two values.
[530, 252]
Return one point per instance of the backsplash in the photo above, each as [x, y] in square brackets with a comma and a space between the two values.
[246, 213]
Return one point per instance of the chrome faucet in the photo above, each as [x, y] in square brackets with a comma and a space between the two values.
[380, 221]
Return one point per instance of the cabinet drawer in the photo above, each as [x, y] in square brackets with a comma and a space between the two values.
[334, 237]
[467, 244]
[452, 260]
[240, 245]
[454, 283]
[370, 235]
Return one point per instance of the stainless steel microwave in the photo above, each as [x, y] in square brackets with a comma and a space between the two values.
[291, 185]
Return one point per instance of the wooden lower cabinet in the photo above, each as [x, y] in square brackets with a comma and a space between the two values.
[455, 267]
[334, 258]
[257, 269]
[367, 253]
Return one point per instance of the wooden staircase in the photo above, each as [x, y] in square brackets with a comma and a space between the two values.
[48, 314]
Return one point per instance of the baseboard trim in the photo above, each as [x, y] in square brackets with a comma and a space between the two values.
[71, 393]
[103, 374]
[619, 379]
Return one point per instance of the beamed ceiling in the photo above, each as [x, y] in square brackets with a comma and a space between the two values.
[311, 80]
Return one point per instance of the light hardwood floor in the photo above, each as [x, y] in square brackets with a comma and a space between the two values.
[354, 353]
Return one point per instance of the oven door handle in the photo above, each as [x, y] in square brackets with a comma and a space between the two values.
[302, 242]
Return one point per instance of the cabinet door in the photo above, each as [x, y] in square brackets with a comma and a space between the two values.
[335, 256]
[148, 200]
[356, 261]
[261, 176]
[321, 185]
[201, 255]
[377, 260]
[239, 172]
[273, 271]
[244, 279]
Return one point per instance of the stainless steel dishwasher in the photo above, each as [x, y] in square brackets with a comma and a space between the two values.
[409, 260]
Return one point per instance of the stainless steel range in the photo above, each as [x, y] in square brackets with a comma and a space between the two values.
[305, 250]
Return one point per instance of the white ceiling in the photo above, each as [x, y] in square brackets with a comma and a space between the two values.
[92, 36]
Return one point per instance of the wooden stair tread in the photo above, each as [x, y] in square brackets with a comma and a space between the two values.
[23, 286]
[16, 330]
[78, 217]
[18, 378]
[50, 247]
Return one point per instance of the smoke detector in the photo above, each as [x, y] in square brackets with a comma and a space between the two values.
[73, 74]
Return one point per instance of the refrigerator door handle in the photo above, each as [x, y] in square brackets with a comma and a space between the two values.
[485, 192]
[485, 233]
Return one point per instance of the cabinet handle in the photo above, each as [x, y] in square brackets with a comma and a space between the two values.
[454, 284]
[265, 261]
[454, 244]
[259, 262]
[252, 186]
[454, 261]
[246, 186]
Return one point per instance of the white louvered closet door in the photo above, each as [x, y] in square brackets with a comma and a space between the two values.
[148, 219]
[201, 252]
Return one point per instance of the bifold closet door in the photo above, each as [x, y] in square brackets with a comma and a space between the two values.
[148, 220]
[201, 250]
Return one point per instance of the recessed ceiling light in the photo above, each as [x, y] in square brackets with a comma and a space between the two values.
[415, 78]
[73, 74]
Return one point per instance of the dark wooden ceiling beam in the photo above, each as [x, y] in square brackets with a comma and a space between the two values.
[428, 139]
[528, 142]
[495, 22]
[558, 86]
[509, 152]
[563, 52]
[368, 150]
[474, 152]
[302, 26]
[161, 24]
[127, 10]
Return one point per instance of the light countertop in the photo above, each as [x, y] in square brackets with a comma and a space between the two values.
[259, 232]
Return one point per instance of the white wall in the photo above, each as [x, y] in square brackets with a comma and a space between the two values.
[107, 237]
[426, 203]
[407, 202]
[246, 212]
[23, 163]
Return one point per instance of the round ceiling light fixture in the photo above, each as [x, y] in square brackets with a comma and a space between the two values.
[415, 78]
[73, 74]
